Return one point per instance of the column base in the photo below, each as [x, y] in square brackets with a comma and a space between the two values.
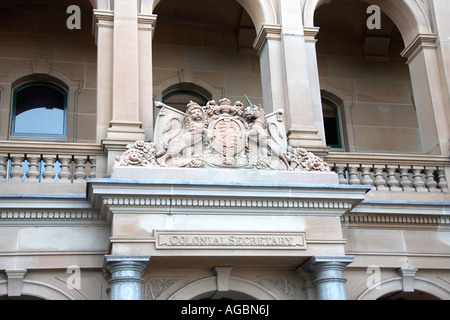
[304, 138]
[125, 130]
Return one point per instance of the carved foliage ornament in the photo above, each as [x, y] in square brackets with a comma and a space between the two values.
[223, 135]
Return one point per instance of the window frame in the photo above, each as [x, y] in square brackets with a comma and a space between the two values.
[338, 124]
[17, 90]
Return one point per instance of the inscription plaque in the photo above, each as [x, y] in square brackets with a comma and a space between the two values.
[229, 240]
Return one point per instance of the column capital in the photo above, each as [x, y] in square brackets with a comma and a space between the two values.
[102, 18]
[420, 41]
[329, 278]
[311, 33]
[146, 21]
[319, 263]
[115, 262]
[267, 31]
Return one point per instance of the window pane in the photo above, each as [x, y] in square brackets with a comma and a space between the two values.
[180, 99]
[40, 121]
[330, 121]
[39, 111]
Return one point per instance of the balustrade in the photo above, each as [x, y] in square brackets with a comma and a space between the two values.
[391, 173]
[23, 168]
[62, 163]
[74, 163]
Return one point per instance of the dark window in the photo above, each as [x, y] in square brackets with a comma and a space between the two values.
[180, 99]
[331, 123]
[39, 109]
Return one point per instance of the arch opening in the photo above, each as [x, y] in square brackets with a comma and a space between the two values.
[366, 66]
[206, 45]
[400, 295]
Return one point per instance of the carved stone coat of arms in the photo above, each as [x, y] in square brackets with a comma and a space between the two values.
[222, 135]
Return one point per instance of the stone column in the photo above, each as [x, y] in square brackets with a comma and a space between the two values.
[329, 278]
[126, 275]
[268, 44]
[430, 94]
[300, 104]
[441, 11]
[310, 35]
[125, 124]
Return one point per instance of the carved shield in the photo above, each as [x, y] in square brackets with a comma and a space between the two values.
[228, 135]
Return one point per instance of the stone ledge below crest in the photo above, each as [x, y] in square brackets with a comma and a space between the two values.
[224, 175]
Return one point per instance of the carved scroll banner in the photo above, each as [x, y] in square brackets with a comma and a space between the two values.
[229, 240]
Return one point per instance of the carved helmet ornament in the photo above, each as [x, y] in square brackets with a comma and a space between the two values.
[223, 135]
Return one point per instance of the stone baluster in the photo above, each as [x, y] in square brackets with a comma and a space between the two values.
[93, 163]
[340, 170]
[405, 182]
[49, 163]
[380, 183]
[392, 182]
[80, 169]
[64, 174]
[16, 173]
[430, 183]
[442, 182]
[353, 174]
[33, 164]
[366, 179]
[418, 181]
[3, 164]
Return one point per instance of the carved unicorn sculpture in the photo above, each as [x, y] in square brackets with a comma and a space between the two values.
[259, 135]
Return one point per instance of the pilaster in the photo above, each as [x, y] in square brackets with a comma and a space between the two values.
[146, 27]
[302, 90]
[125, 123]
[104, 37]
[429, 94]
[268, 45]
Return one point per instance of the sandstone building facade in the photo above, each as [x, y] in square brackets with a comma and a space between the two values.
[352, 201]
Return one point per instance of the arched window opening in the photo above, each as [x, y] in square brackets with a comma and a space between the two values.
[331, 124]
[180, 99]
[416, 295]
[39, 110]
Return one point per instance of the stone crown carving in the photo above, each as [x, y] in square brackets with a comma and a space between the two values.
[223, 135]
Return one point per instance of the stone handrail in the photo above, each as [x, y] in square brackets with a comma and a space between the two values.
[392, 172]
[48, 162]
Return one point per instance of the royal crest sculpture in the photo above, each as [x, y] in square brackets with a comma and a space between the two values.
[222, 135]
